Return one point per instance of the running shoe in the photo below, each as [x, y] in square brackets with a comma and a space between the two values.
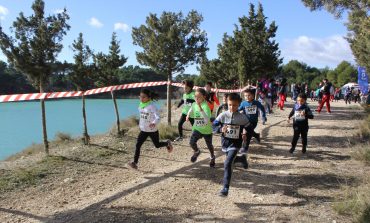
[224, 192]
[195, 156]
[169, 146]
[133, 165]
[178, 139]
[212, 163]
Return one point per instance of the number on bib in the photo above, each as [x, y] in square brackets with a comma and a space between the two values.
[233, 132]
[199, 122]
[298, 116]
[251, 110]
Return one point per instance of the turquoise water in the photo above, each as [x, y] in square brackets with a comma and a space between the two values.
[20, 122]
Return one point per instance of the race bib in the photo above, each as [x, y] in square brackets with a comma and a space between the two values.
[251, 110]
[298, 116]
[144, 116]
[199, 122]
[188, 103]
[233, 132]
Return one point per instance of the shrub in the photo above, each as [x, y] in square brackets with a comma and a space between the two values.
[61, 136]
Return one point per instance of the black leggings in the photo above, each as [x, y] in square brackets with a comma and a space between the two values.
[303, 133]
[250, 133]
[141, 139]
[181, 123]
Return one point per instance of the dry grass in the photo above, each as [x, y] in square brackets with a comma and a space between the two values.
[62, 137]
[125, 125]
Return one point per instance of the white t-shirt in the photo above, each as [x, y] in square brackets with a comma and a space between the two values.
[149, 115]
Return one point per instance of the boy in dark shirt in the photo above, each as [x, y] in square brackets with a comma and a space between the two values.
[232, 125]
[301, 113]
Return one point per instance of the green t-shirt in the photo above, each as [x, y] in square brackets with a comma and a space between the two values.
[199, 123]
[188, 101]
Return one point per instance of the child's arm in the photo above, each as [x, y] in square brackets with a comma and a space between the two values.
[217, 124]
[180, 103]
[189, 113]
[216, 99]
[204, 114]
[290, 114]
[309, 114]
[157, 118]
[262, 109]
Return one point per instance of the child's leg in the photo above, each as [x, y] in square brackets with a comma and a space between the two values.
[140, 140]
[191, 121]
[195, 136]
[155, 138]
[295, 139]
[228, 167]
[181, 123]
[208, 139]
[304, 133]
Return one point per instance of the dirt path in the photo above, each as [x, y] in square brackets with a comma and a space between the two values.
[278, 187]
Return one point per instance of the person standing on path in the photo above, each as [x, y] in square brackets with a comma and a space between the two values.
[232, 126]
[148, 123]
[187, 100]
[282, 91]
[202, 127]
[325, 96]
[301, 113]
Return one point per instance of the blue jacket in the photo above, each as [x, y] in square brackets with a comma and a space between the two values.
[252, 109]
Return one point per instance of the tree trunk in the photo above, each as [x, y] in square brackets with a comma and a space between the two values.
[117, 114]
[169, 95]
[43, 117]
[85, 133]
[256, 95]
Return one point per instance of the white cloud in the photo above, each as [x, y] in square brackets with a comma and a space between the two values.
[94, 22]
[3, 12]
[329, 51]
[121, 26]
[56, 11]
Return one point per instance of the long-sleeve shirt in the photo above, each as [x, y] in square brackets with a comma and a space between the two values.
[202, 121]
[251, 110]
[301, 121]
[149, 115]
[236, 123]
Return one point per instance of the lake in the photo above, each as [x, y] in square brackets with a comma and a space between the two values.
[20, 122]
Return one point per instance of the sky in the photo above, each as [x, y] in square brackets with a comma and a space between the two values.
[315, 38]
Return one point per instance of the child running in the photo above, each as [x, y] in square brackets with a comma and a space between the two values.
[223, 107]
[233, 131]
[187, 100]
[202, 127]
[149, 119]
[251, 109]
[301, 113]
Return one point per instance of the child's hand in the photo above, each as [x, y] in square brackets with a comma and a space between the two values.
[152, 125]
[224, 128]
[303, 113]
[244, 137]
[187, 118]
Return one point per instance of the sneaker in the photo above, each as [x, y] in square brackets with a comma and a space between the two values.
[224, 192]
[133, 165]
[212, 163]
[291, 150]
[258, 138]
[304, 149]
[195, 156]
[178, 139]
[328, 113]
[169, 146]
[245, 164]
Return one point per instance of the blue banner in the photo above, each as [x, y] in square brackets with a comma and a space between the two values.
[363, 80]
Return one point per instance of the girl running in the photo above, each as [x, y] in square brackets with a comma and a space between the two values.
[187, 100]
[202, 125]
[149, 119]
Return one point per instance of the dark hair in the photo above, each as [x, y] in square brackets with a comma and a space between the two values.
[248, 90]
[226, 95]
[209, 83]
[188, 83]
[153, 96]
[234, 97]
[302, 95]
[325, 80]
[202, 91]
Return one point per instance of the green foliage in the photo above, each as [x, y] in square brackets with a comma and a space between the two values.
[81, 75]
[107, 66]
[170, 42]
[358, 24]
[37, 43]
[345, 73]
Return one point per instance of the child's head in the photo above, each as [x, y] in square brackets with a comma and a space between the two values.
[200, 95]
[147, 95]
[233, 102]
[248, 95]
[188, 86]
[208, 86]
[301, 99]
[224, 99]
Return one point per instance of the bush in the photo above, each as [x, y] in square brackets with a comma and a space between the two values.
[167, 131]
[125, 125]
[62, 137]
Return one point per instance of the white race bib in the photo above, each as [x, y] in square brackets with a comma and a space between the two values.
[188, 103]
[144, 117]
[298, 116]
[233, 132]
[251, 110]
[199, 122]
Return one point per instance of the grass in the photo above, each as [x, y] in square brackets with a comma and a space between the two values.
[125, 125]
[167, 131]
[62, 137]
[22, 177]
[362, 153]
